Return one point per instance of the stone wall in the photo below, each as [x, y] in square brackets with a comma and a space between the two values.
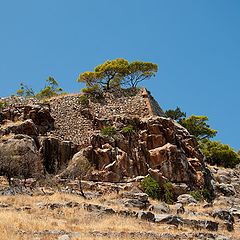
[75, 122]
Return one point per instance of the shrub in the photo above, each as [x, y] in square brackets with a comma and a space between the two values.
[197, 195]
[219, 154]
[3, 104]
[168, 193]
[83, 100]
[151, 187]
[200, 195]
[128, 129]
[109, 131]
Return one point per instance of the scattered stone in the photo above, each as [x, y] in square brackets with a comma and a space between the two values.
[162, 207]
[179, 208]
[149, 216]
[98, 208]
[169, 219]
[186, 199]
[226, 189]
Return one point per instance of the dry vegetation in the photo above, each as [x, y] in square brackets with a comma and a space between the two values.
[23, 218]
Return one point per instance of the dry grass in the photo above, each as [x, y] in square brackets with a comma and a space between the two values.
[16, 222]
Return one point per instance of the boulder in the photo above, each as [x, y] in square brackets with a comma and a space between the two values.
[19, 157]
[26, 127]
[162, 207]
[186, 199]
[149, 216]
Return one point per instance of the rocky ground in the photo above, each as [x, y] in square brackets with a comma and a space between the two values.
[56, 210]
[49, 140]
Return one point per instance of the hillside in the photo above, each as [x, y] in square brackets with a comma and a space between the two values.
[124, 137]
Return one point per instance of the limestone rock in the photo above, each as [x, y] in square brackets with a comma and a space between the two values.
[19, 156]
[186, 199]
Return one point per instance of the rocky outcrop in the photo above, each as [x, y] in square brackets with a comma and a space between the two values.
[19, 157]
[55, 153]
[143, 144]
[157, 145]
[39, 114]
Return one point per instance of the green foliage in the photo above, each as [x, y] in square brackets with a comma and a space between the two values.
[168, 193]
[83, 100]
[197, 195]
[109, 131]
[3, 104]
[115, 73]
[151, 187]
[219, 154]
[50, 90]
[128, 129]
[197, 126]
[176, 114]
[25, 91]
[200, 195]
[94, 92]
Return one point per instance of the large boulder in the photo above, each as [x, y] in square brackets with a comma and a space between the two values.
[26, 127]
[19, 157]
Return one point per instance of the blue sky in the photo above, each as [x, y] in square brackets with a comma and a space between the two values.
[195, 44]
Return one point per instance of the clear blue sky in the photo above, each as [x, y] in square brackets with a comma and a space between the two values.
[196, 45]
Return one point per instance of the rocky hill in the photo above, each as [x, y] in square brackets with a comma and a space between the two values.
[124, 136]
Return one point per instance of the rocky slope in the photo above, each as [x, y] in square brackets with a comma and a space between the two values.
[154, 144]
[53, 137]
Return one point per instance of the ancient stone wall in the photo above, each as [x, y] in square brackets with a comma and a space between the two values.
[75, 122]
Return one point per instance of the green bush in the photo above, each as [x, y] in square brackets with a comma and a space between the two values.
[151, 187]
[83, 100]
[197, 195]
[168, 193]
[128, 129]
[200, 195]
[109, 131]
[3, 104]
[219, 154]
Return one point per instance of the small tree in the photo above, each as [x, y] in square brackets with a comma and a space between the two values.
[176, 114]
[219, 154]
[51, 89]
[114, 73]
[19, 161]
[25, 91]
[197, 126]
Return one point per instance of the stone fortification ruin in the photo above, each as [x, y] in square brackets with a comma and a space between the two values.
[143, 142]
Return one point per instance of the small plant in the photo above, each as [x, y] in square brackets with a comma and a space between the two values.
[109, 131]
[168, 193]
[3, 104]
[151, 187]
[197, 195]
[202, 194]
[128, 129]
[83, 100]
[94, 92]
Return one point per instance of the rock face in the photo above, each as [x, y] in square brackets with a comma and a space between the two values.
[56, 154]
[19, 157]
[156, 143]
[144, 143]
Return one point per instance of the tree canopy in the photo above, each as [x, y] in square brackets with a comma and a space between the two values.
[176, 114]
[219, 154]
[197, 126]
[119, 72]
